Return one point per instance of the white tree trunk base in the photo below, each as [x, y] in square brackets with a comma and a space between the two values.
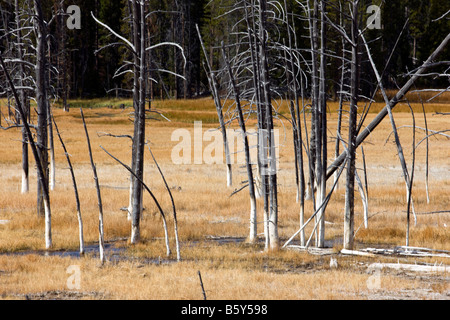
[48, 225]
[25, 183]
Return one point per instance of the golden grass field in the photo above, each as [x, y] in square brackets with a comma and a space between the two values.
[213, 226]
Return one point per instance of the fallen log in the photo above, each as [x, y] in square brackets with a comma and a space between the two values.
[409, 267]
[357, 253]
[401, 251]
[312, 250]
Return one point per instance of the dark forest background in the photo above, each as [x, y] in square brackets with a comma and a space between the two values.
[86, 72]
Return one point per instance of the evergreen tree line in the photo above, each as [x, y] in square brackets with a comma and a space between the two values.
[85, 64]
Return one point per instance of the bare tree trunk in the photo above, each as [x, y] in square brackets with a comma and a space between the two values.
[351, 150]
[363, 199]
[298, 140]
[177, 242]
[253, 46]
[25, 163]
[262, 176]
[24, 103]
[139, 44]
[401, 157]
[62, 65]
[427, 155]
[215, 93]
[302, 188]
[41, 99]
[101, 242]
[77, 198]
[42, 133]
[50, 129]
[321, 136]
[313, 21]
[138, 9]
[392, 103]
[409, 192]
[40, 171]
[262, 189]
[341, 98]
[151, 194]
[364, 195]
[51, 145]
[251, 188]
[327, 198]
[271, 154]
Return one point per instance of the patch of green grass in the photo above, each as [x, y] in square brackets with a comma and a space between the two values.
[188, 117]
[97, 103]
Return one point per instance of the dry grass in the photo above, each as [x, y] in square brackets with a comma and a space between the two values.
[205, 209]
[180, 281]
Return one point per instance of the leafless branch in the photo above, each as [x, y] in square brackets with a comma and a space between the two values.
[151, 194]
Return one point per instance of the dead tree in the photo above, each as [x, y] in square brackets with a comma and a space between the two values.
[41, 101]
[317, 149]
[407, 176]
[139, 47]
[295, 114]
[249, 59]
[354, 139]
[101, 241]
[252, 56]
[42, 178]
[32, 76]
[314, 35]
[341, 90]
[62, 59]
[270, 155]
[251, 186]
[177, 242]
[75, 188]
[154, 199]
[321, 128]
[219, 108]
[22, 96]
[351, 154]
[251, 66]
[261, 190]
[392, 103]
[139, 90]
[313, 216]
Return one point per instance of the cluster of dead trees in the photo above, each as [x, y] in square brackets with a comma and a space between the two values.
[260, 66]
[27, 75]
[263, 65]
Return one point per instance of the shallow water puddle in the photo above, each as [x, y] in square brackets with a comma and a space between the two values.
[110, 251]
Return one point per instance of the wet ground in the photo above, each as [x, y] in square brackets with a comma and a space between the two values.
[115, 252]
